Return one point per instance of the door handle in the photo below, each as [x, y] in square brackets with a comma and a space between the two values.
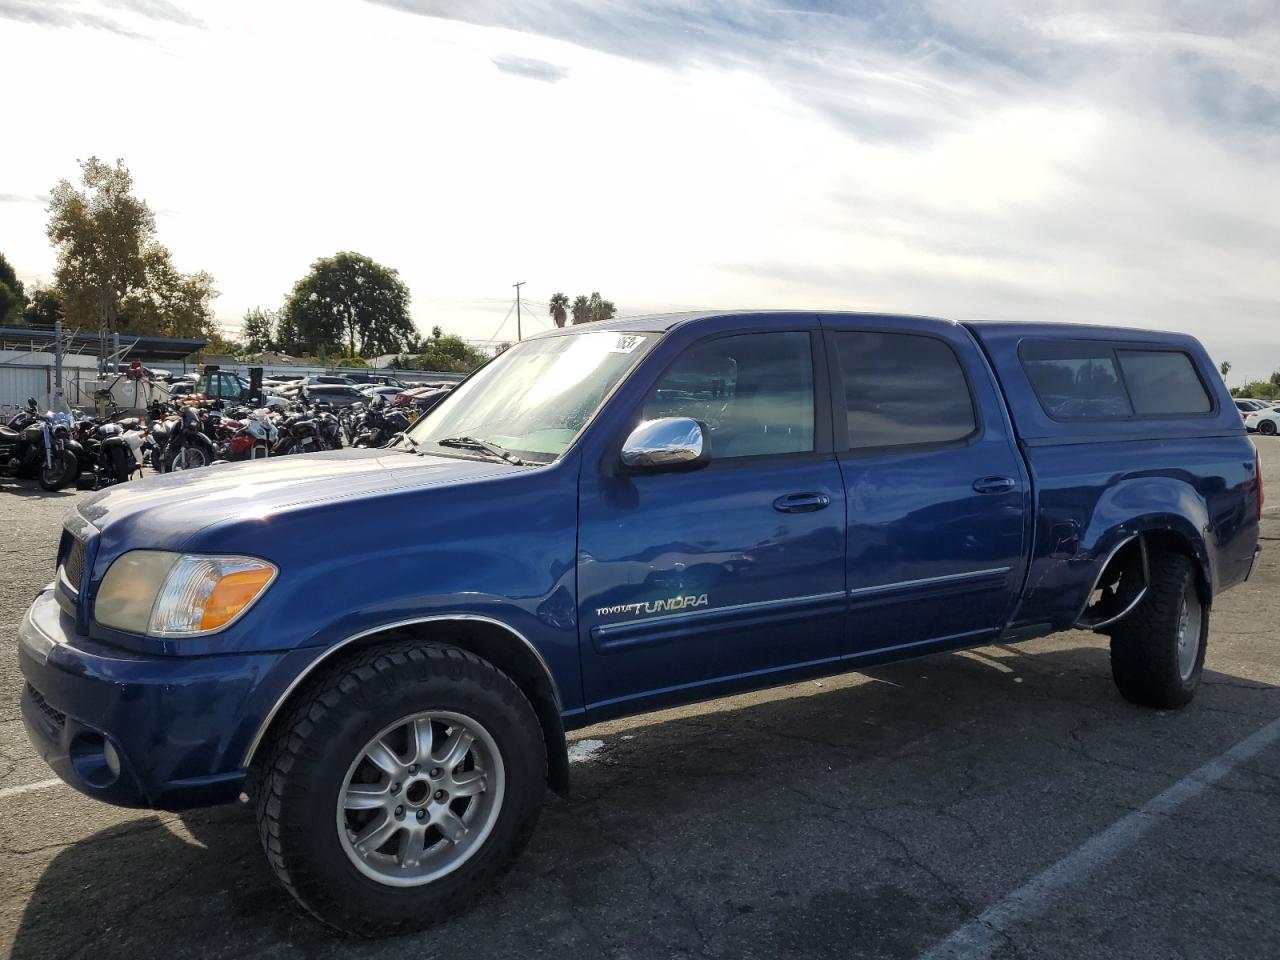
[994, 484]
[801, 502]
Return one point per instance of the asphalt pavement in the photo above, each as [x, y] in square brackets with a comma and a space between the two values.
[1002, 802]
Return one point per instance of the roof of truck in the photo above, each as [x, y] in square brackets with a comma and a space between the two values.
[661, 322]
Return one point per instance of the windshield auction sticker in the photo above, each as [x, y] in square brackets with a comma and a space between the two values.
[625, 343]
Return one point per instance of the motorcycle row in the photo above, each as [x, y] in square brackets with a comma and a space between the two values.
[62, 447]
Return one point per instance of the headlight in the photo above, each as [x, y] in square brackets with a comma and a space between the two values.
[166, 594]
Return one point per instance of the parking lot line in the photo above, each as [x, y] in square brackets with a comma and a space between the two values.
[985, 934]
[29, 787]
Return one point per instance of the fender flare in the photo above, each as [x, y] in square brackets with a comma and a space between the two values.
[553, 726]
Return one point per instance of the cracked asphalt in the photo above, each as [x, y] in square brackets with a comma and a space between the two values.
[868, 815]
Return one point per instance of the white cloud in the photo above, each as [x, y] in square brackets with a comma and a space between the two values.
[959, 158]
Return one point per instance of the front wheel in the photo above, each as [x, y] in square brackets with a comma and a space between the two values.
[400, 787]
[61, 472]
[1157, 651]
[188, 457]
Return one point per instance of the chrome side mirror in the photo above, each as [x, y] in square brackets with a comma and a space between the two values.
[668, 443]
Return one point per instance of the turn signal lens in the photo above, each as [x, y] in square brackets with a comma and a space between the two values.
[233, 593]
[203, 594]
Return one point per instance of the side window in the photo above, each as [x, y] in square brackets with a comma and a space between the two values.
[230, 385]
[1163, 382]
[1076, 381]
[902, 389]
[754, 392]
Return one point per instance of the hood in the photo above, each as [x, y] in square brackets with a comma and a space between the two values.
[158, 508]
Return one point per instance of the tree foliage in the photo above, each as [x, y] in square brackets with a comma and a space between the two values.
[99, 232]
[1224, 368]
[259, 330]
[592, 309]
[445, 354]
[111, 270]
[559, 308]
[13, 300]
[169, 303]
[350, 301]
[44, 307]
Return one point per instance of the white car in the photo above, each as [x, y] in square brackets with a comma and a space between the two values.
[1266, 421]
[374, 390]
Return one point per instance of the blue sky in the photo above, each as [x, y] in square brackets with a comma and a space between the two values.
[1095, 162]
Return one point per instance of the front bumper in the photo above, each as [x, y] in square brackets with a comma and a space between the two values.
[142, 731]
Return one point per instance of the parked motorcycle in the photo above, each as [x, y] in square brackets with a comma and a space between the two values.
[379, 424]
[38, 444]
[188, 446]
[250, 437]
[108, 451]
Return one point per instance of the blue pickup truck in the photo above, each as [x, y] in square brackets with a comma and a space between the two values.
[609, 519]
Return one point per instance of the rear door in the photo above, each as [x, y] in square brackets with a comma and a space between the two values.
[936, 492]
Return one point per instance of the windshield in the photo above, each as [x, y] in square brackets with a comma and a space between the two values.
[538, 395]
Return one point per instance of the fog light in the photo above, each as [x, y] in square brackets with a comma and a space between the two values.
[112, 758]
[95, 760]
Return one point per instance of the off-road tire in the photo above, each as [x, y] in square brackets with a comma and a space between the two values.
[309, 755]
[1144, 645]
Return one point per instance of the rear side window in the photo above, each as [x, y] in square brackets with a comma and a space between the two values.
[1077, 380]
[902, 389]
[1163, 382]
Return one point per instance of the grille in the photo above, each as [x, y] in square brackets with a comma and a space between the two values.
[73, 565]
[55, 718]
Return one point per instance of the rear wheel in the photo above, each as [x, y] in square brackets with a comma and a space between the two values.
[1157, 652]
[1267, 427]
[60, 472]
[400, 787]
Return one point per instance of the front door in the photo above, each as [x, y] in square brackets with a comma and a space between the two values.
[936, 492]
[725, 574]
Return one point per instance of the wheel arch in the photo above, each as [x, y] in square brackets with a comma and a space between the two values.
[1131, 548]
[497, 642]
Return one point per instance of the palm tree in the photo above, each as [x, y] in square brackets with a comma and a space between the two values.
[581, 310]
[559, 308]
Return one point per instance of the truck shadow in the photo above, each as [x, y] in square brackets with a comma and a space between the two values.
[865, 815]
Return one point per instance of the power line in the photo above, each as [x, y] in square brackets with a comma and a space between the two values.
[494, 336]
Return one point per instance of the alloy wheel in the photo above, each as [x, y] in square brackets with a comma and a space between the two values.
[420, 798]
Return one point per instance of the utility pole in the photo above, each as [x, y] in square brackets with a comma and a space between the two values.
[518, 286]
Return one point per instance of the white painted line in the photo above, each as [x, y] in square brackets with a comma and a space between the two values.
[984, 935]
[30, 787]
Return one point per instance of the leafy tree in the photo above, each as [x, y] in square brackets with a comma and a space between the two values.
[1275, 378]
[1224, 368]
[13, 301]
[223, 346]
[348, 299]
[100, 234]
[449, 354]
[559, 308]
[169, 303]
[599, 309]
[593, 308]
[437, 332]
[259, 330]
[43, 308]
[351, 362]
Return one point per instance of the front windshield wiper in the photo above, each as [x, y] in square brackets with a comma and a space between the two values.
[484, 446]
